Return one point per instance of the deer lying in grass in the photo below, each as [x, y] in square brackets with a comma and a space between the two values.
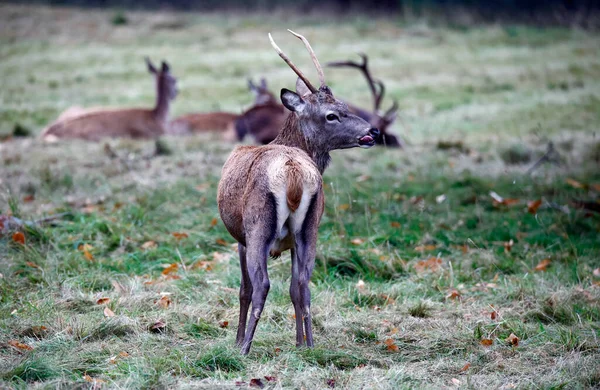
[96, 123]
[271, 197]
[382, 122]
[222, 122]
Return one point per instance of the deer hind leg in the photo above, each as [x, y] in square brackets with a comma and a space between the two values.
[296, 300]
[245, 296]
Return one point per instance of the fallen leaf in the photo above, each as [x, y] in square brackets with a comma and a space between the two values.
[158, 327]
[149, 245]
[37, 331]
[163, 302]
[256, 382]
[108, 312]
[497, 200]
[28, 198]
[221, 241]
[20, 345]
[270, 378]
[533, 206]
[508, 245]
[223, 324]
[512, 340]
[19, 238]
[179, 236]
[393, 348]
[343, 207]
[574, 183]
[432, 264]
[388, 342]
[32, 264]
[486, 342]
[331, 383]
[454, 294]
[396, 224]
[357, 241]
[429, 247]
[543, 265]
[123, 354]
[277, 351]
[87, 254]
[102, 301]
[213, 222]
[170, 268]
[203, 264]
[96, 381]
[240, 383]
[494, 315]
[465, 367]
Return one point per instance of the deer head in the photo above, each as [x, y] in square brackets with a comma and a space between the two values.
[319, 122]
[261, 92]
[166, 88]
[381, 121]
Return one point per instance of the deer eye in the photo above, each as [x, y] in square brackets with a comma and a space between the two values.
[332, 117]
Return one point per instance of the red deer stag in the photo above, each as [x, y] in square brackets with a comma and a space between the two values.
[93, 124]
[382, 122]
[271, 197]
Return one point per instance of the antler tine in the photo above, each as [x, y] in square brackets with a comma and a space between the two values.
[364, 68]
[379, 96]
[291, 65]
[392, 109]
[312, 55]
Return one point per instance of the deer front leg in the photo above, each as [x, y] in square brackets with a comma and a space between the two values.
[257, 271]
[245, 296]
[296, 299]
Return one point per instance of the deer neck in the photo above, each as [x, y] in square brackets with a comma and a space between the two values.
[293, 136]
[161, 109]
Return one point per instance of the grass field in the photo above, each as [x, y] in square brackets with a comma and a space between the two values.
[418, 269]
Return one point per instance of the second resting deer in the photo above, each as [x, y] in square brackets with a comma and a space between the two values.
[271, 197]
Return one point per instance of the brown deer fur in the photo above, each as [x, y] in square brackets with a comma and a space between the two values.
[271, 197]
[96, 123]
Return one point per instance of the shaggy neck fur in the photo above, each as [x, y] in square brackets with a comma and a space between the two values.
[161, 110]
[292, 135]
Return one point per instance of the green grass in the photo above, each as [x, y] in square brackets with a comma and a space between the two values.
[478, 108]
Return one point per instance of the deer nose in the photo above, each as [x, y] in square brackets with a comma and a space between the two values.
[374, 132]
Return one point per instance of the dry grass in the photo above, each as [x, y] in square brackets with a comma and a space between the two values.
[473, 104]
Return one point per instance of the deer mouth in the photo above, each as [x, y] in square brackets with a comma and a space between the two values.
[366, 141]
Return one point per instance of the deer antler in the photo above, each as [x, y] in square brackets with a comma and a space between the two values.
[291, 65]
[373, 84]
[313, 56]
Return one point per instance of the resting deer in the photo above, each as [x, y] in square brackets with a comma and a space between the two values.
[271, 197]
[382, 122]
[96, 123]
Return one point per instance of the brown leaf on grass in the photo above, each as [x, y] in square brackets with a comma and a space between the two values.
[277, 351]
[542, 265]
[163, 302]
[513, 340]
[37, 331]
[453, 294]
[96, 381]
[171, 268]
[533, 206]
[123, 354]
[393, 348]
[343, 207]
[213, 222]
[256, 382]
[508, 245]
[19, 238]
[465, 367]
[108, 313]
[486, 342]
[31, 264]
[28, 198]
[395, 224]
[331, 383]
[221, 242]
[179, 236]
[202, 264]
[493, 315]
[497, 200]
[20, 345]
[574, 183]
[223, 324]
[102, 301]
[149, 245]
[271, 378]
[429, 247]
[357, 241]
[240, 383]
[388, 342]
[158, 327]
[432, 264]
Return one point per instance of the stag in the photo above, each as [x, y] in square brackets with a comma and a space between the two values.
[93, 124]
[380, 121]
[271, 197]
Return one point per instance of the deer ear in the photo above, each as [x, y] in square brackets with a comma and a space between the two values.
[292, 101]
[263, 83]
[251, 85]
[165, 67]
[301, 88]
[151, 67]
